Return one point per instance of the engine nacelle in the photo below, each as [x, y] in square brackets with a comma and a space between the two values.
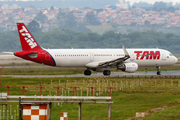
[129, 67]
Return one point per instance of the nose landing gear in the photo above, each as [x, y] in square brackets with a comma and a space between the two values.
[158, 70]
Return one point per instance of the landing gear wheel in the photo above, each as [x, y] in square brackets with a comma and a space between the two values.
[158, 71]
[87, 72]
[107, 72]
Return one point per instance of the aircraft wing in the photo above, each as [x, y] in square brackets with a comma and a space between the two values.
[111, 62]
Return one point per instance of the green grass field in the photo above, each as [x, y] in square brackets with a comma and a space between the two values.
[130, 96]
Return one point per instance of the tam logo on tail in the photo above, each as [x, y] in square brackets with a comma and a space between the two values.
[28, 37]
[31, 49]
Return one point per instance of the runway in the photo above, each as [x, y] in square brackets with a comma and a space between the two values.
[151, 74]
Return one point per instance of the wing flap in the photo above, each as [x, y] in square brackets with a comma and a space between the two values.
[92, 64]
[111, 62]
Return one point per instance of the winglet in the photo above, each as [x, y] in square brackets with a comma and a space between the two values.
[126, 53]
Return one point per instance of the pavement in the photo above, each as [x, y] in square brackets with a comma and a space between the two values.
[98, 75]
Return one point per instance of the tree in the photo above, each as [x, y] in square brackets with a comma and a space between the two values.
[70, 21]
[126, 42]
[52, 8]
[133, 24]
[142, 5]
[134, 35]
[171, 9]
[159, 6]
[133, 7]
[169, 35]
[91, 19]
[147, 23]
[82, 28]
[114, 26]
[109, 34]
[60, 15]
[41, 17]
[34, 26]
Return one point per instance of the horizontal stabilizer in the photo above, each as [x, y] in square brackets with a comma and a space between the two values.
[8, 53]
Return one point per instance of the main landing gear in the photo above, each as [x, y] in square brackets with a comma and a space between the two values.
[158, 71]
[107, 72]
[87, 72]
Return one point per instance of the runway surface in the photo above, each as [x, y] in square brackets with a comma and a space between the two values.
[151, 74]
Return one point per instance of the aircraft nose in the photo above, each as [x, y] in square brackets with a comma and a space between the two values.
[175, 60]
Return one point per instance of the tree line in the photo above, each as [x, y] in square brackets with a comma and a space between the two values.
[70, 39]
[157, 6]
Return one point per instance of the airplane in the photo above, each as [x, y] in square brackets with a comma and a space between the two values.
[99, 60]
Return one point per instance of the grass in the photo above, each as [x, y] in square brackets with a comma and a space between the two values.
[41, 70]
[131, 96]
[167, 114]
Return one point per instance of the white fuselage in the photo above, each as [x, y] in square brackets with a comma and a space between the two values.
[81, 57]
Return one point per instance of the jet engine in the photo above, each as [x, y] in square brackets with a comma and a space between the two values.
[128, 67]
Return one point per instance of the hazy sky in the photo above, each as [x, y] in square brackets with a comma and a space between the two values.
[153, 1]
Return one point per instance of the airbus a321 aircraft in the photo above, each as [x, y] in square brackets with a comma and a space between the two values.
[99, 60]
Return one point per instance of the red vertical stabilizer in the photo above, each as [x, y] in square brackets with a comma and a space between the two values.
[28, 42]
[30, 48]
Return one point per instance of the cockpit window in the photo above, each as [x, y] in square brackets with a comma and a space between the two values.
[170, 54]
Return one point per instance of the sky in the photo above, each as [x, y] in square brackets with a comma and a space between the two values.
[153, 1]
[131, 1]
